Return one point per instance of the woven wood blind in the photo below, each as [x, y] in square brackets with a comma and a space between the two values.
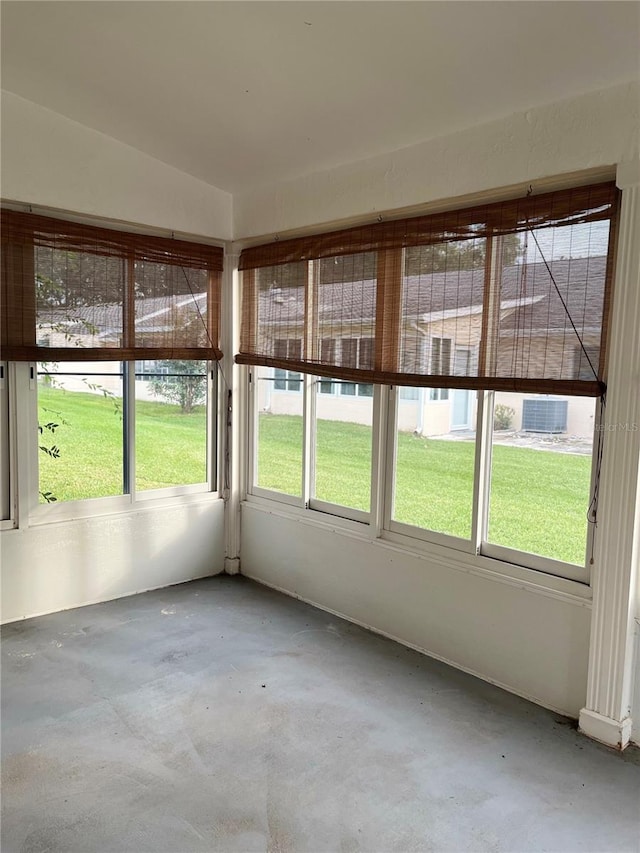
[75, 292]
[511, 296]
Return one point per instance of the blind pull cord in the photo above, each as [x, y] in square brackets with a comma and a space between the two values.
[564, 305]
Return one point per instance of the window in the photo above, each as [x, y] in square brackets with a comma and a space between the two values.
[278, 448]
[541, 463]
[341, 447]
[81, 431]
[123, 330]
[355, 352]
[105, 430]
[434, 467]
[409, 394]
[440, 365]
[312, 449]
[460, 353]
[172, 434]
[287, 380]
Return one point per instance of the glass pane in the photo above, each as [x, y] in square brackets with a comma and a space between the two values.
[541, 473]
[80, 430]
[78, 298]
[343, 447]
[279, 424]
[552, 299]
[346, 299]
[442, 308]
[171, 423]
[281, 301]
[326, 386]
[170, 305]
[435, 456]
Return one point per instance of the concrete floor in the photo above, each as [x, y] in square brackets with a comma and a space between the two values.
[221, 716]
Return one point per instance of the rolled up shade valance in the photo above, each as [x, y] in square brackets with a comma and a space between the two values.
[508, 296]
[78, 292]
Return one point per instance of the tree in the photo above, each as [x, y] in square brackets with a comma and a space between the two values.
[457, 255]
[186, 385]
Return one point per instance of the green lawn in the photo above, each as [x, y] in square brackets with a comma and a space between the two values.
[170, 446]
[538, 498]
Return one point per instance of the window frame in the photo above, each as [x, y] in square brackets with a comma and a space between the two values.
[312, 390]
[378, 524]
[307, 500]
[387, 400]
[37, 513]
[252, 487]
[401, 528]
[8, 518]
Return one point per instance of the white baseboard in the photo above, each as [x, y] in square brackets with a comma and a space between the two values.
[232, 565]
[615, 733]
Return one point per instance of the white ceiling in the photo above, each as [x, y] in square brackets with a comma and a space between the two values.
[241, 94]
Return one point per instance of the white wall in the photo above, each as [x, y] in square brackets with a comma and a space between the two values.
[50, 161]
[52, 567]
[532, 642]
[594, 130]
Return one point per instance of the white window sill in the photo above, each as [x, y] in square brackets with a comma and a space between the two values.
[119, 505]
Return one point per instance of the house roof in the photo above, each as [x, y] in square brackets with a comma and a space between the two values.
[153, 315]
[528, 294]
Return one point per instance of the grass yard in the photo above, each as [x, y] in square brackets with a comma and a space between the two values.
[170, 446]
[538, 498]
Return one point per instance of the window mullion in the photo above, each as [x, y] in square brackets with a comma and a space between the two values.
[379, 446]
[25, 421]
[128, 382]
[308, 438]
[128, 428]
[482, 469]
[311, 352]
[252, 432]
[393, 395]
[213, 407]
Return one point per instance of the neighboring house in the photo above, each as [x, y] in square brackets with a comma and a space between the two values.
[159, 318]
[446, 341]
[156, 318]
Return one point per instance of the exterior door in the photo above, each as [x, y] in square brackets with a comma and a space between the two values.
[461, 400]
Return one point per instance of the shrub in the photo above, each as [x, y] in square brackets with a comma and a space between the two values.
[503, 417]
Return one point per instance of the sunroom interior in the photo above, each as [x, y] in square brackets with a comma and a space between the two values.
[387, 365]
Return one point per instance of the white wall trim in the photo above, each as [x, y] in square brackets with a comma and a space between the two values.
[615, 733]
[617, 540]
[230, 437]
[232, 565]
